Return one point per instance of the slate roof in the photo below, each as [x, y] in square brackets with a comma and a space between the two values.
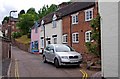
[14, 19]
[67, 10]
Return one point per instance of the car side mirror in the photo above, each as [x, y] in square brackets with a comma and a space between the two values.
[52, 50]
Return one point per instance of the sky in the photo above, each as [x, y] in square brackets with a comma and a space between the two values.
[7, 5]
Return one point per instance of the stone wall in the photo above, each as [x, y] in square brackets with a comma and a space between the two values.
[25, 47]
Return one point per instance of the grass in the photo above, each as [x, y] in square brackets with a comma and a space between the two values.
[23, 39]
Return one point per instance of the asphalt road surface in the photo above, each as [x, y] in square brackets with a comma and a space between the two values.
[25, 64]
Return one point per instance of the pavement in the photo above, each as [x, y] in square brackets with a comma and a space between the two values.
[5, 67]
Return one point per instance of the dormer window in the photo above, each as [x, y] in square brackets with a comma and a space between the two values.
[75, 18]
[54, 21]
[42, 25]
[88, 14]
[36, 27]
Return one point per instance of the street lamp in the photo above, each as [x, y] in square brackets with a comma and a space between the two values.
[13, 11]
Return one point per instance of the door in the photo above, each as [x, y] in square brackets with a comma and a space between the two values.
[52, 53]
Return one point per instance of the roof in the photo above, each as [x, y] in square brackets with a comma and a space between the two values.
[14, 19]
[67, 10]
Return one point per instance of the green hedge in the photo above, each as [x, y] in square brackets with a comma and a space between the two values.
[16, 34]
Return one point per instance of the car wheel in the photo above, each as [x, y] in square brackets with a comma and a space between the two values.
[56, 62]
[44, 59]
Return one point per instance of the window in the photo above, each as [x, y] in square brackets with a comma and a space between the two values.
[54, 39]
[36, 27]
[48, 41]
[36, 45]
[88, 14]
[54, 21]
[54, 24]
[88, 36]
[75, 18]
[42, 42]
[42, 28]
[65, 38]
[75, 37]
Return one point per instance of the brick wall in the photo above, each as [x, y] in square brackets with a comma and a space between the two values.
[24, 47]
[5, 48]
[81, 28]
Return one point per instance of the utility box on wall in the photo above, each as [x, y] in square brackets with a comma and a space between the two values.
[109, 38]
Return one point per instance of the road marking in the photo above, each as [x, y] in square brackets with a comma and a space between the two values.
[85, 75]
[16, 69]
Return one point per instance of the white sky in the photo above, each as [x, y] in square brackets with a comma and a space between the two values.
[7, 5]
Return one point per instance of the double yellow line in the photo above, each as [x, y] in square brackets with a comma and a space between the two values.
[85, 75]
[16, 69]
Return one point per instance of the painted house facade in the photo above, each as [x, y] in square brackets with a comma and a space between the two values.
[50, 29]
[35, 38]
[69, 25]
[52, 24]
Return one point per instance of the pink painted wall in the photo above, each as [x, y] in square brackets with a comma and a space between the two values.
[35, 36]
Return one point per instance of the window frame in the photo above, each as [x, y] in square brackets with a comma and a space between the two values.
[54, 22]
[53, 38]
[74, 37]
[42, 42]
[75, 18]
[87, 14]
[65, 38]
[88, 38]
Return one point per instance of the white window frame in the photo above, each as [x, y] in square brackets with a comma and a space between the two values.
[74, 20]
[87, 16]
[54, 22]
[74, 40]
[42, 43]
[88, 38]
[65, 37]
[54, 40]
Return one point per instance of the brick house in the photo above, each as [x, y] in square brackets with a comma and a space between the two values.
[5, 26]
[76, 24]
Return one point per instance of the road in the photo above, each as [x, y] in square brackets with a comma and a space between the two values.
[25, 64]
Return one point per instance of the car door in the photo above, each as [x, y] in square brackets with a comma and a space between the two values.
[47, 52]
[52, 53]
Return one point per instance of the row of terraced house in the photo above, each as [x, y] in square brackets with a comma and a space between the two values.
[70, 25]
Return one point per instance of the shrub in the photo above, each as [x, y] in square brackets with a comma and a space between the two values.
[16, 34]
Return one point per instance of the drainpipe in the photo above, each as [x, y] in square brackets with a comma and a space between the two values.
[44, 37]
[70, 32]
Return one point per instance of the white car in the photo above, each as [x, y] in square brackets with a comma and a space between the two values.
[61, 54]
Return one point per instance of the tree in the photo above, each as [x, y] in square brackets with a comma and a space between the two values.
[26, 21]
[5, 19]
[33, 12]
[95, 47]
[46, 10]
[21, 12]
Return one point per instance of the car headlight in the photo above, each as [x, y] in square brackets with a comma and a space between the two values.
[64, 57]
[80, 56]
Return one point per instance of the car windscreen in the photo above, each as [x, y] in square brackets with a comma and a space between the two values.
[63, 48]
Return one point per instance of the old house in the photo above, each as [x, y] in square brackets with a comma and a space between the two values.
[68, 25]
[76, 30]
[7, 25]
